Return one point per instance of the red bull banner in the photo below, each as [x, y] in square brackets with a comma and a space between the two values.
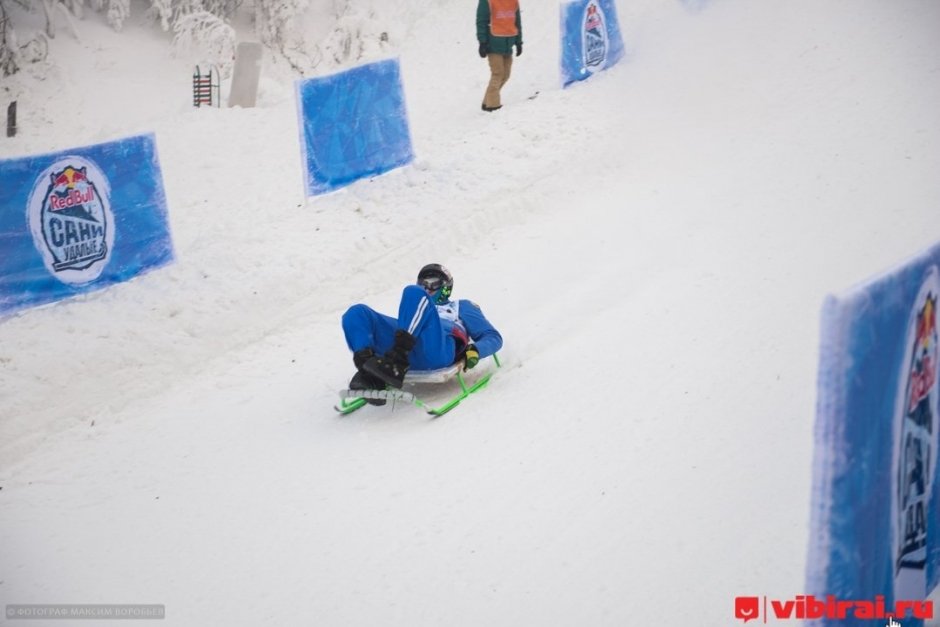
[590, 39]
[874, 528]
[80, 220]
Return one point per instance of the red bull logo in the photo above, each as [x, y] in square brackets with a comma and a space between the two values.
[924, 372]
[592, 18]
[73, 198]
[71, 221]
[594, 38]
[70, 188]
[69, 177]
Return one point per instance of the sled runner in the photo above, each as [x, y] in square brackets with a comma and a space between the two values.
[351, 400]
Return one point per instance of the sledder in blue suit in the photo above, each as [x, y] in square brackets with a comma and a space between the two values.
[431, 332]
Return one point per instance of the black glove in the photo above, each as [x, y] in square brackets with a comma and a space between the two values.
[519, 49]
[483, 49]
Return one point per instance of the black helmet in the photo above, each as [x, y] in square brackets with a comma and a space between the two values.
[437, 281]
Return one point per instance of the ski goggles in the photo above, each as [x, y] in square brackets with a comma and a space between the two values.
[431, 283]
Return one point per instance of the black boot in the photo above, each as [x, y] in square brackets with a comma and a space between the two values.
[391, 367]
[360, 357]
[363, 380]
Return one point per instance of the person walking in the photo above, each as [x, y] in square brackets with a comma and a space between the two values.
[499, 29]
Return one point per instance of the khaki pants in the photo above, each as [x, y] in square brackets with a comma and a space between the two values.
[500, 67]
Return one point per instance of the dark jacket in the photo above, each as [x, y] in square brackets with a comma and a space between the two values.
[499, 45]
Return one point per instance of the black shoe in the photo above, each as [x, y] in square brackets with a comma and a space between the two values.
[392, 367]
[387, 370]
[490, 109]
[362, 356]
[365, 381]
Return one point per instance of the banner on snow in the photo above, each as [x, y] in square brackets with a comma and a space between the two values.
[80, 220]
[875, 491]
[352, 124]
[590, 38]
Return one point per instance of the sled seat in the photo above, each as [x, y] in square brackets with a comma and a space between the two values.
[441, 375]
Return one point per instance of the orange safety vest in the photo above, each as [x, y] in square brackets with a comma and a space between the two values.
[503, 18]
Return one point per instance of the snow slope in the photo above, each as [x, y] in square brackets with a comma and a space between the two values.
[654, 245]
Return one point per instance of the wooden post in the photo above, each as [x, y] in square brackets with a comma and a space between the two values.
[245, 76]
[11, 119]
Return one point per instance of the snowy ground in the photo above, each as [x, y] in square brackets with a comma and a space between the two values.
[654, 246]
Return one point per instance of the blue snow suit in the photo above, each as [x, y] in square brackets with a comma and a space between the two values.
[441, 332]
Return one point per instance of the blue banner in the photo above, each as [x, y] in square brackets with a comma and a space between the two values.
[590, 38]
[352, 124]
[874, 520]
[80, 220]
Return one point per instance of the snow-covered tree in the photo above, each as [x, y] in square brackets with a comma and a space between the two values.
[273, 17]
[118, 11]
[8, 48]
[202, 24]
[207, 32]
